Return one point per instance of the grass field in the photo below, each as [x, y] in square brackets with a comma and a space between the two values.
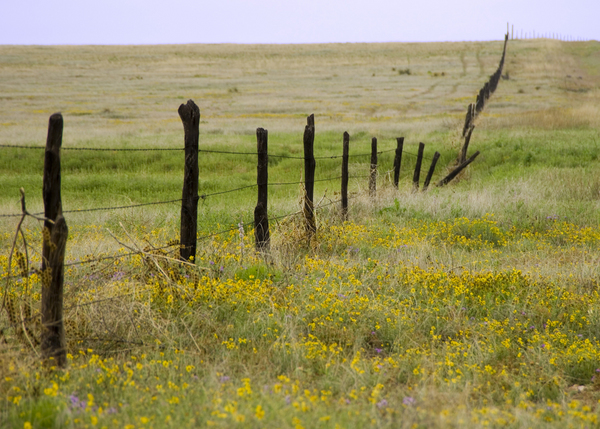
[471, 305]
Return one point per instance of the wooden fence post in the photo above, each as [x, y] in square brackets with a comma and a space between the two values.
[398, 160]
[309, 177]
[190, 116]
[457, 170]
[345, 156]
[417, 173]
[53, 250]
[261, 217]
[434, 161]
[469, 118]
[462, 157]
[373, 171]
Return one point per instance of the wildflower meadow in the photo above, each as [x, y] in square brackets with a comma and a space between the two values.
[471, 305]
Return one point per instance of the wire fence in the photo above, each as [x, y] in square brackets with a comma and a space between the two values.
[222, 152]
[132, 249]
[178, 200]
[117, 256]
[202, 196]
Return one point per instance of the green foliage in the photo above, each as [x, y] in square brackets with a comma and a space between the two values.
[259, 271]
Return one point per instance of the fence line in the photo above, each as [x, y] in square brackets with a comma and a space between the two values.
[52, 341]
[521, 34]
[55, 231]
[196, 197]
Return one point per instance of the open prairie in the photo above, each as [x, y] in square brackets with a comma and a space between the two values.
[475, 304]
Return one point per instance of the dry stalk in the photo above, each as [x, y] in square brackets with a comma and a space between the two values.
[23, 329]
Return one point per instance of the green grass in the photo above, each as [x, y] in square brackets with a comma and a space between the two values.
[471, 305]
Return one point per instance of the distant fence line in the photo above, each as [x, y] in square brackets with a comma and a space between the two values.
[522, 34]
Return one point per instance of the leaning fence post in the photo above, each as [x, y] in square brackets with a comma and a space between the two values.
[261, 218]
[373, 171]
[53, 250]
[462, 157]
[309, 176]
[345, 156]
[457, 170]
[398, 160]
[190, 116]
[469, 118]
[434, 161]
[417, 173]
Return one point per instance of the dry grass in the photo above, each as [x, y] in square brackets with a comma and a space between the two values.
[110, 94]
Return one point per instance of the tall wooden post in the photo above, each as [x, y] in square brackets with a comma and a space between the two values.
[190, 116]
[434, 161]
[345, 156]
[53, 250]
[309, 177]
[417, 173]
[398, 160]
[373, 171]
[261, 217]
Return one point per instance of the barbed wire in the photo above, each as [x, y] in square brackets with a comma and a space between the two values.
[226, 152]
[95, 149]
[201, 196]
[204, 237]
[101, 208]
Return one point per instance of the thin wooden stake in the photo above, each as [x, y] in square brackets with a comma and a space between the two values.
[373, 172]
[463, 152]
[417, 173]
[398, 160]
[345, 157]
[261, 218]
[53, 250]
[469, 118]
[434, 161]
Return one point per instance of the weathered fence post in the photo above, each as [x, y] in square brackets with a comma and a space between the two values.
[309, 177]
[190, 116]
[345, 156]
[457, 170]
[417, 173]
[398, 160]
[261, 218]
[373, 171]
[469, 118]
[434, 161]
[462, 157]
[53, 250]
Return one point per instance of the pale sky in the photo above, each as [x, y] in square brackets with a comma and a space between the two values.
[51, 22]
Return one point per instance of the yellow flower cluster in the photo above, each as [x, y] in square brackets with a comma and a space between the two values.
[371, 326]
